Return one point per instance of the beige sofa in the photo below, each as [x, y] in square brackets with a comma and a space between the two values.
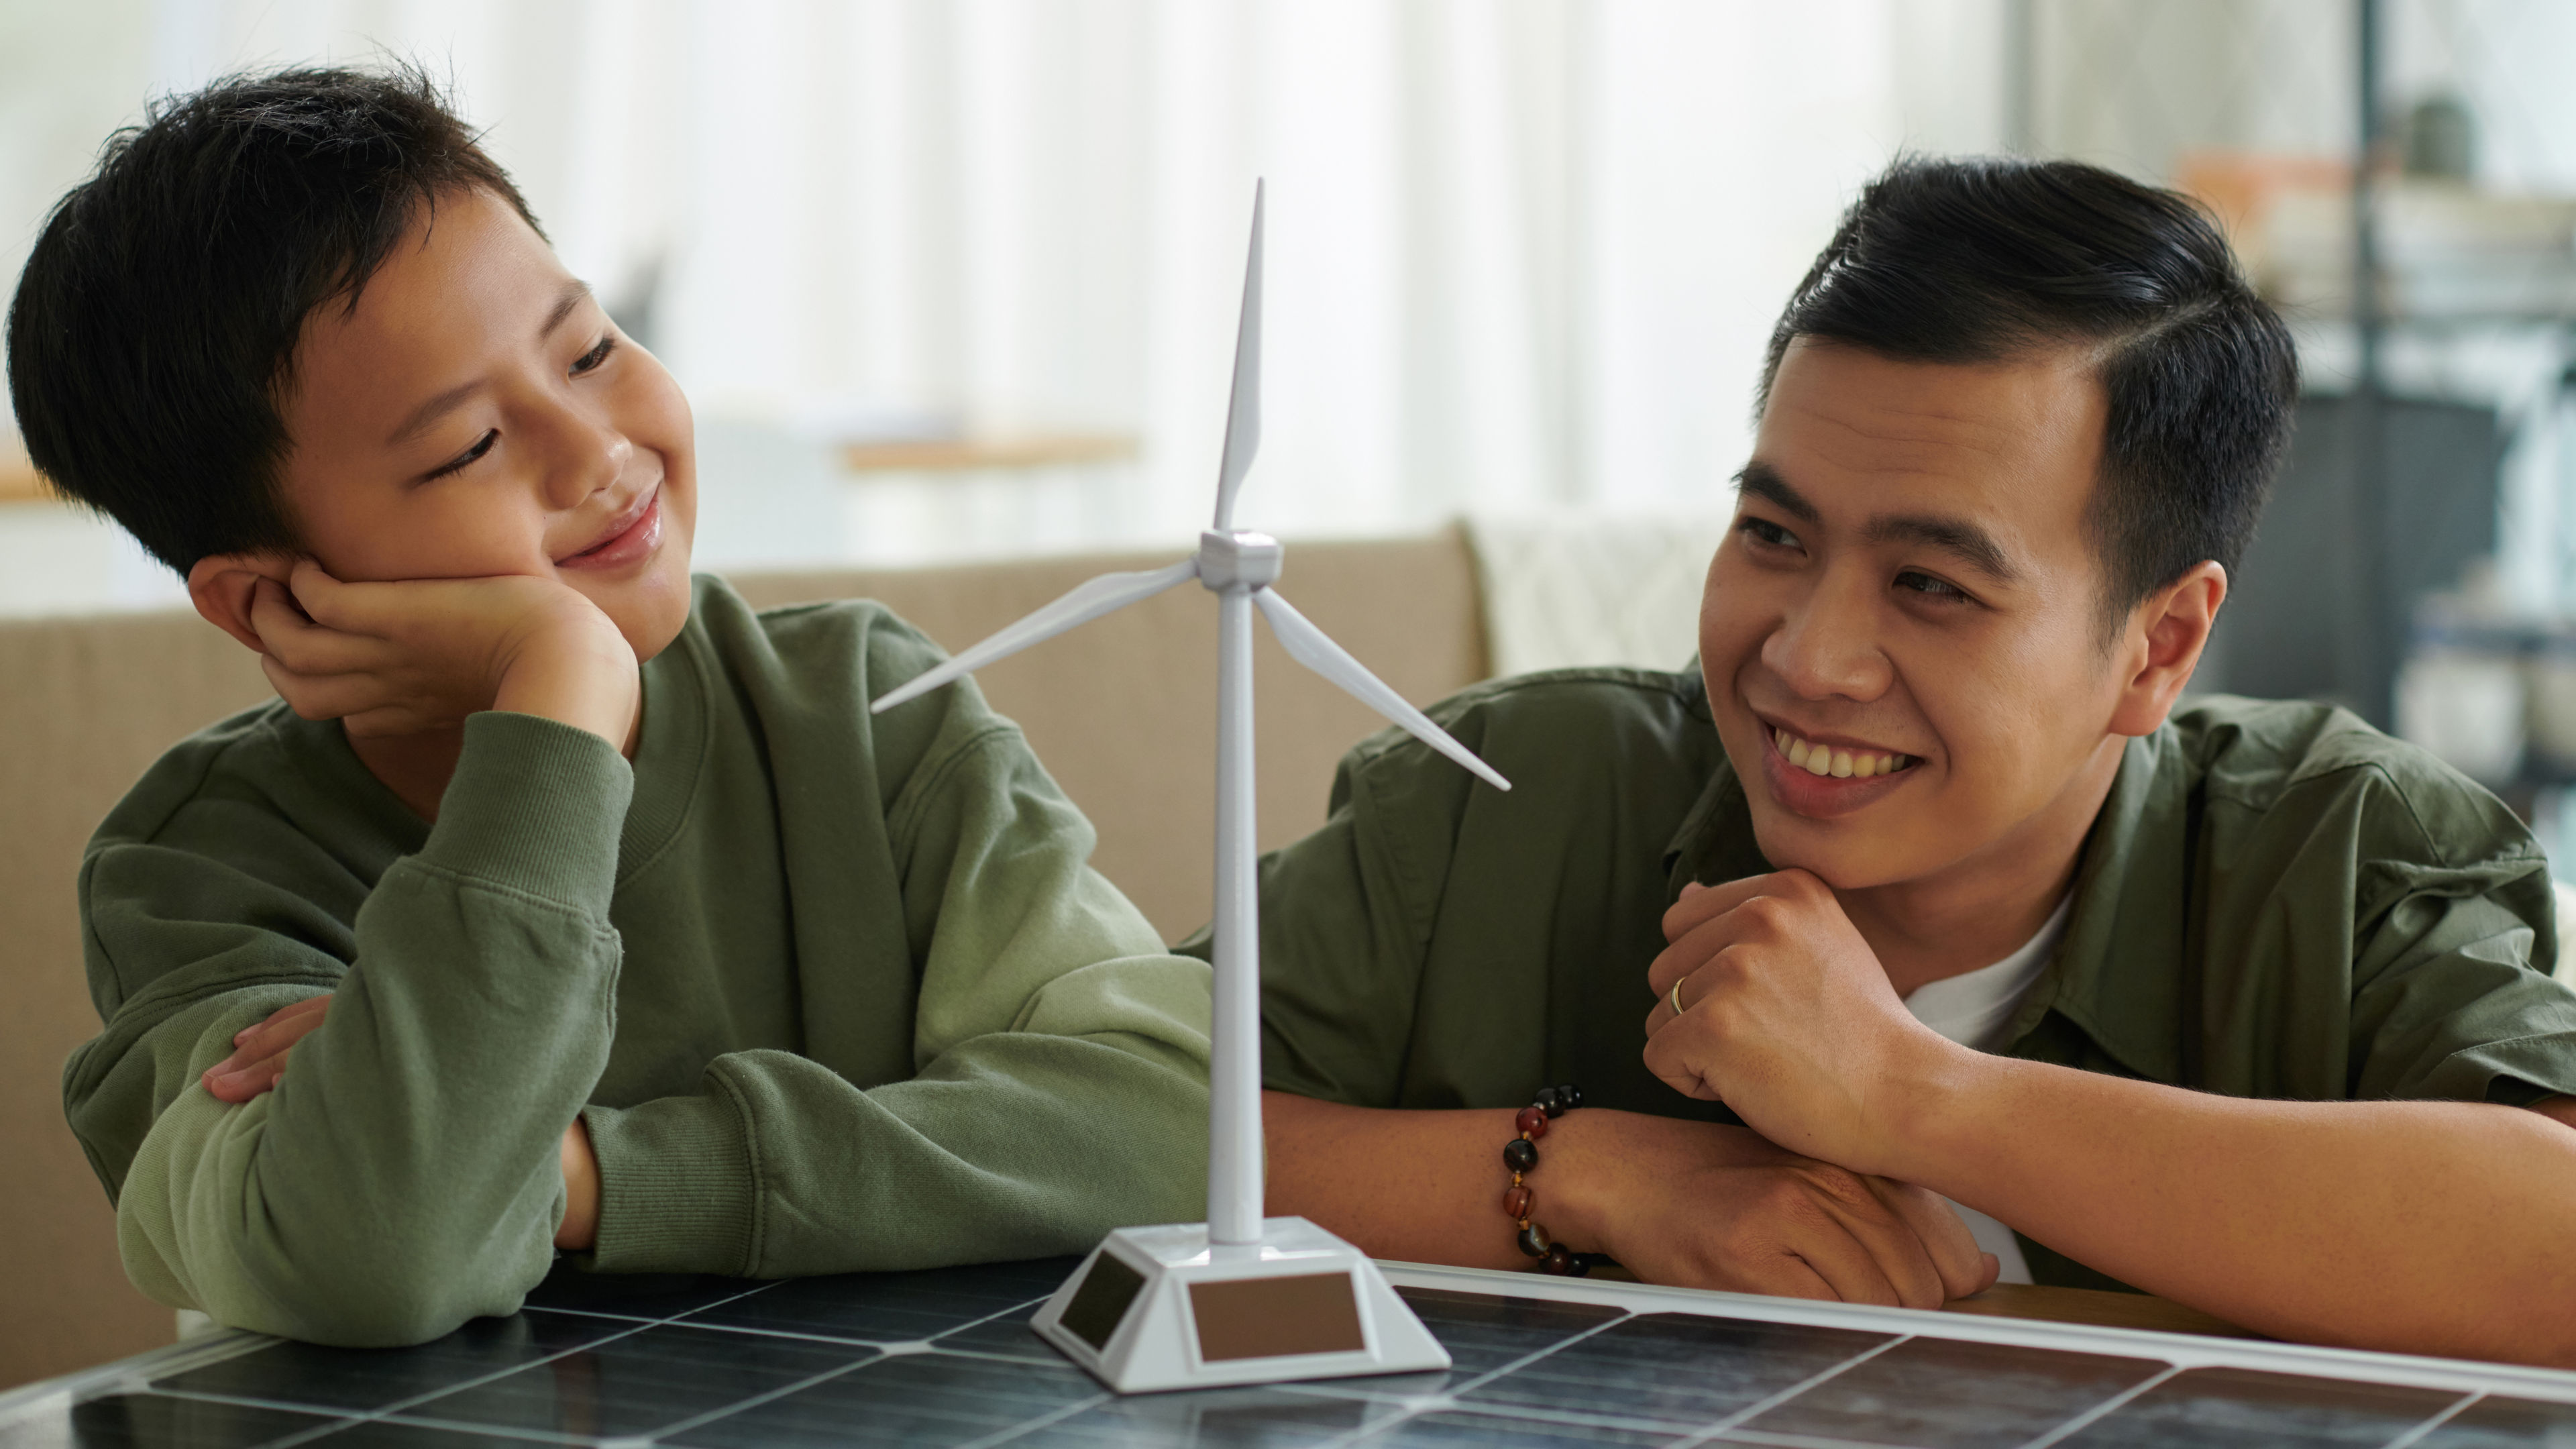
[1122, 711]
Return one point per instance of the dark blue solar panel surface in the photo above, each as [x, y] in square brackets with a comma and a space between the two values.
[947, 1358]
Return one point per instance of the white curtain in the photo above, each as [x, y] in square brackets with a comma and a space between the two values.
[1523, 253]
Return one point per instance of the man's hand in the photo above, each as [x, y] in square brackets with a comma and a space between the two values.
[1704, 1206]
[1787, 1016]
[259, 1060]
[400, 658]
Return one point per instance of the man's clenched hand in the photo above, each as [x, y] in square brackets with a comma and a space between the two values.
[1787, 1016]
[399, 658]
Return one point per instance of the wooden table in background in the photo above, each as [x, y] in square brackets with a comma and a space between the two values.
[2096, 1307]
[971, 455]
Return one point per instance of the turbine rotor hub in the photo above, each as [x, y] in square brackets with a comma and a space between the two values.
[1230, 561]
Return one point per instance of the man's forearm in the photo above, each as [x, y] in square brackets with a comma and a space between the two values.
[1424, 1187]
[2430, 1227]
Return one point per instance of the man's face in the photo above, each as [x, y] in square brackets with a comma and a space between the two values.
[478, 414]
[1908, 587]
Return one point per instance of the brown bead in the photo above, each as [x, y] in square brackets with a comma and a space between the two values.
[1532, 1121]
[1534, 1241]
[1559, 1261]
[1519, 1155]
[1517, 1201]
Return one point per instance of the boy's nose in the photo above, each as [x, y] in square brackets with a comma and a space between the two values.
[594, 458]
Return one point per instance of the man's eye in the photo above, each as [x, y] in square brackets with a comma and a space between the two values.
[589, 361]
[481, 446]
[1928, 585]
[1765, 531]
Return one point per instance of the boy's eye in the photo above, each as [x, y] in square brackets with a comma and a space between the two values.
[481, 446]
[590, 360]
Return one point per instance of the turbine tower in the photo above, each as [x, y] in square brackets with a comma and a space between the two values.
[1238, 1299]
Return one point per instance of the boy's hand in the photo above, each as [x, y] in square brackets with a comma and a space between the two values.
[259, 1052]
[1787, 1016]
[398, 658]
[259, 1060]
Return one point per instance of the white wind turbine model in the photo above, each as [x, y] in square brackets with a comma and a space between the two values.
[1237, 1299]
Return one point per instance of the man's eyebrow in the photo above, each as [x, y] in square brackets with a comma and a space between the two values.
[1764, 482]
[1956, 537]
[439, 406]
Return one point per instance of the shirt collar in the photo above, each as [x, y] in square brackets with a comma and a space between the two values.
[2117, 973]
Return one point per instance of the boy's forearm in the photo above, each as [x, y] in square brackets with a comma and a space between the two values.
[2431, 1227]
[406, 1174]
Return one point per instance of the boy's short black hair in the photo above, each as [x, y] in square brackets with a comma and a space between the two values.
[1977, 260]
[155, 326]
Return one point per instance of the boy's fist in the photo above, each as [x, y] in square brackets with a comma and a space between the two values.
[399, 658]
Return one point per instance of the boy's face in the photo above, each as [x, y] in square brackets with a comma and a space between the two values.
[1909, 582]
[477, 414]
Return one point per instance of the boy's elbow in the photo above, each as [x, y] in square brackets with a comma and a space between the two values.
[394, 1300]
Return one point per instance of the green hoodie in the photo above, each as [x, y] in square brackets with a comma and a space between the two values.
[831, 991]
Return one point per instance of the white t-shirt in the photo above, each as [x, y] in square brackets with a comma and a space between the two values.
[1975, 1010]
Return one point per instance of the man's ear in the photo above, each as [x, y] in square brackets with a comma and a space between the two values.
[2162, 646]
[222, 586]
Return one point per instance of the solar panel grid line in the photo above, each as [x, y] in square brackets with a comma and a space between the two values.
[383, 1412]
[1755, 1410]
[2103, 1410]
[2417, 1435]
[721, 1411]
[648, 1318]
[1448, 1400]
[1037, 1426]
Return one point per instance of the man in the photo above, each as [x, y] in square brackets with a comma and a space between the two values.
[1925, 876]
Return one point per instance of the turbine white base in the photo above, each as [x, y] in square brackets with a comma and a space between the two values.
[1161, 1308]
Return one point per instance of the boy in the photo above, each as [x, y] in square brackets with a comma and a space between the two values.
[1923, 874]
[590, 910]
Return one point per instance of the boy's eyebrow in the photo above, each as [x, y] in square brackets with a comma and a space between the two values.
[571, 298]
[1957, 537]
[439, 406]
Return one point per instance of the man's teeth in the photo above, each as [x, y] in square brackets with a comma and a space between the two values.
[1841, 764]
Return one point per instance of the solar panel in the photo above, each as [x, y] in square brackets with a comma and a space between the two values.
[947, 1357]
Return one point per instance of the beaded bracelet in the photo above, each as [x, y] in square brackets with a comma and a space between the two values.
[1521, 1156]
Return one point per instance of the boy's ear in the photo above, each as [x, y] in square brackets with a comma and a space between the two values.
[222, 586]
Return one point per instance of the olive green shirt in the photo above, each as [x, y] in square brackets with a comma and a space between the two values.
[2276, 901]
[831, 991]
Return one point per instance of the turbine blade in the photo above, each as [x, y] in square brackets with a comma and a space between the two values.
[1243, 404]
[1103, 595]
[1315, 649]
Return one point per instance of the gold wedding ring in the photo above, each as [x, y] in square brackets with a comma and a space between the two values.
[1677, 998]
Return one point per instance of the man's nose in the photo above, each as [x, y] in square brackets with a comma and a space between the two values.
[1827, 645]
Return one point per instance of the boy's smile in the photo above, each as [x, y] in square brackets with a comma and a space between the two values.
[477, 414]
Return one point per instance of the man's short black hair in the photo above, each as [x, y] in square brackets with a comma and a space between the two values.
[1980, 260]
[155, 326]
